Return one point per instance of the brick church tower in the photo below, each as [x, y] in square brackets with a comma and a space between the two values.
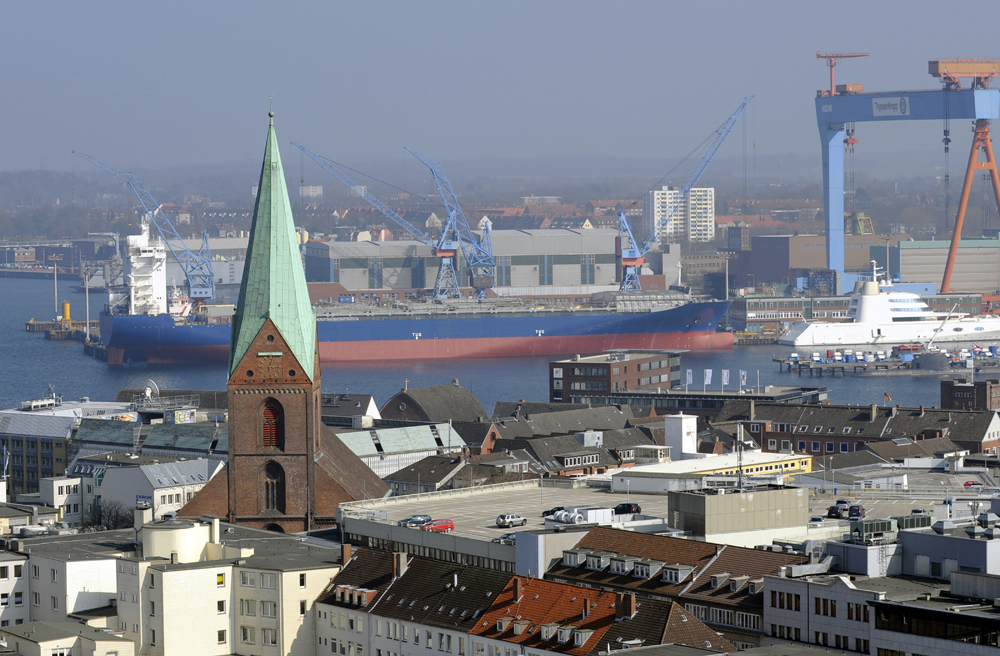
[274, 376]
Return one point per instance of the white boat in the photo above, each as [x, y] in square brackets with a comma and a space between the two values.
[880, 316]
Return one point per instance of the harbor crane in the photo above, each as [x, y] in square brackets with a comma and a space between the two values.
[197, 267]
[633, 254]
[455, 236]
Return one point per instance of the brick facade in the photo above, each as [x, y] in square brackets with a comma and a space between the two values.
[269, 373]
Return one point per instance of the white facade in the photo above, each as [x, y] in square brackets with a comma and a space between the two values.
[145, 272]
[64, 492]
[165, 487]
[680, 433]
[14, 605]
[59, 586]
[693, 220]
[829, 612]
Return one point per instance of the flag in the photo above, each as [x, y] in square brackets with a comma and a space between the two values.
[977, 346]
[743, 377]
[708, 376]
[725, 376]
[690, 376]
[887, 397]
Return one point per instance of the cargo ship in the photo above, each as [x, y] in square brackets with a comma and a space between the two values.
[143, 323]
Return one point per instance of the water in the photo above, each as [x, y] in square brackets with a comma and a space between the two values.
[31, 363]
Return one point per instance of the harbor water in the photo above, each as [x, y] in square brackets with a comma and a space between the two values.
[32, 363]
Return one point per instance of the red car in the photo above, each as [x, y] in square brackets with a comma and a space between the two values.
[439, 526]
[973, 484]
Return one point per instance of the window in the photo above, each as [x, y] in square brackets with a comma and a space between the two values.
[17, 571]
[55, 603]
[246, 635]
[748, 621]
[36, 599]
[152, 609]
[829, 447]
[221, 606]
[843, 447]
[4, 599]
[302, 608]
[268, 636]
[268, 609]
[274, 487]
[18, 600]
[55, 576]
[802, 445]
[302, 580]
[272, 425]
[220, 580]
[248, 607]
[248, 579]
[3, 573]
[267, 581]
[152, 634]
[221, 638]
[815, 447]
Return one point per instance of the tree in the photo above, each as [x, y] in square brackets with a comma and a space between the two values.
[109, 516]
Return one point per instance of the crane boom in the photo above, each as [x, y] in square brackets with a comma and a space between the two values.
[197, 267]
[446, 284]
[328, 166]
[633, 255]
[478, 253]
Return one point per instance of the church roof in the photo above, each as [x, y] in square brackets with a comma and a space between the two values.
[274, 282]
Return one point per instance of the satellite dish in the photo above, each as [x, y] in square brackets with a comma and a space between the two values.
[152, 389]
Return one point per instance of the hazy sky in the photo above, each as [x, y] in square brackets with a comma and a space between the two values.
[149, 85]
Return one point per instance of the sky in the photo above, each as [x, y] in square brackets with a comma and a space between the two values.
[175, 84]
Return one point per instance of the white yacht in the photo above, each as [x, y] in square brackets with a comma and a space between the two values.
[877, 315]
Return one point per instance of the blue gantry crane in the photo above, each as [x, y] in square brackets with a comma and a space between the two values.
[197, 266]
[478, 253]
[633, 254]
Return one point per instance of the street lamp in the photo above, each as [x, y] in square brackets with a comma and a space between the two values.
[728, 255]
[86, 292]
[628, 490]
[56, 259]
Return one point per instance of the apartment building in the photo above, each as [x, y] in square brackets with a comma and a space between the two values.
[64, 639]
[690, 220]
[14, 607]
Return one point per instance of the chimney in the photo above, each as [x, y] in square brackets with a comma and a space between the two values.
[216, 533]
[873, 413]
[142, 514]
[518, 589]
[398, 564]
[625, 606]
[174, 558]
[454, 381]
[921, 411]
[586, 605]
[345, 553]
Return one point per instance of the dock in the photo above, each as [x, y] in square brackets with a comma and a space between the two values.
[822, 368]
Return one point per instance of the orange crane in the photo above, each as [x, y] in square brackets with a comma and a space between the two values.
[951, 71]
[831, 61]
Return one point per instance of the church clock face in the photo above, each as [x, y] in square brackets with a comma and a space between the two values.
[270, 367]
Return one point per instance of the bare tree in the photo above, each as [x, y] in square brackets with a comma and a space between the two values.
[109, 516]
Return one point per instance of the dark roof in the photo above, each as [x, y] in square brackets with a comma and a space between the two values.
[424, 594]
[568, 422]
[432, 469]
[106, 431]
[848, 460]
[207, 400]
[368, 568]
[517, 408]
[738, 561]
[900, 448]
[668, 550]
[344, 404]
[202, 436]
[473, 432]
[440, 403]
[663, 622]
[871, 421]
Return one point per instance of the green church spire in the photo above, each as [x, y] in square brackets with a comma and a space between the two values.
[274, 282]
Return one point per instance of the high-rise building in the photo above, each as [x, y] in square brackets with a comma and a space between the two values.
[693, 220]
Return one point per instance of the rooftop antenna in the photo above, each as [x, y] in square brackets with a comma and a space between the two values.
[739, 457]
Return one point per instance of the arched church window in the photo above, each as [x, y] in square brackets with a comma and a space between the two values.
[273, 425]
[274, 487]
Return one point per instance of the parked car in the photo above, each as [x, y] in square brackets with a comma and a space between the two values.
[973, 483]
[835, 512]
[506, 538]
[627, 509]
[415, 521]
[511, 519]
[816, 521]
[552, 511]
[918, 511]
[843, 504]
[857, 511]
[439, 526]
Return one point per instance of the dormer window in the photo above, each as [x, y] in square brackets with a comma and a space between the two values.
[503, 623]
[718, 580]
[520, 626]
[549, 631]
[676, 573]
[580, 638]
[565, 633]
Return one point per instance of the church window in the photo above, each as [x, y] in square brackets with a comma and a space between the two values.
[274, 487]
[272, 425]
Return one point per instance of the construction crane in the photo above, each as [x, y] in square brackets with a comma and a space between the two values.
[446, 248]
[831, 61]
[634, 255]
[478, 253]
[197, 267]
